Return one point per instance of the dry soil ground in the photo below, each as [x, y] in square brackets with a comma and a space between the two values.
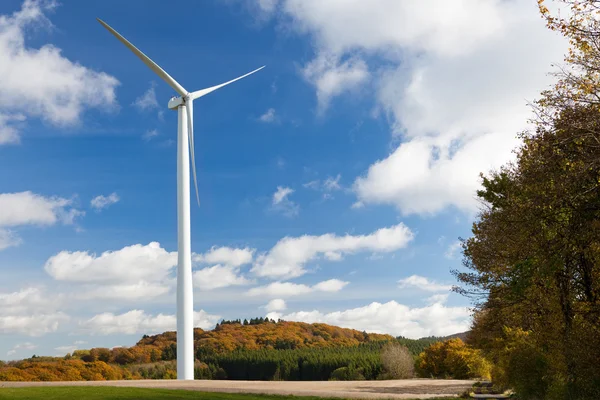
[402, 389]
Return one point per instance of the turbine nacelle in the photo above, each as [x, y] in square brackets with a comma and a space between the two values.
[175, 102]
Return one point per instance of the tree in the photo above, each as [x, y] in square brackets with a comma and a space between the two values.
[397, 361]
[452, 359]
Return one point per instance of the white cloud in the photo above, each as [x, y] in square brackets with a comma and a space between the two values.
[288, 257]
[288, 289]
[422, 283]
[392, 318]
[138, 322]
[268, 116]
[27, 208]
[226, 272]
[21, 346]
[147, 101]
[129, 265]
[26, 301]
[101, 202]
[281, 194]
[276, 305]
[218, 276]
[328, 186]
[283, 204]
[332, 184]
[331, 285]
[41, 82]
[30, 311]
[9, 238]
[10, 134]
[441, 298]
[312, 184]
[149, 135]
[280, 289]
[452, 249]
[332, 77]
[358, 204]
[134, 291]
[62, 350]
[233, 257]
[31, 325]
[453, 83]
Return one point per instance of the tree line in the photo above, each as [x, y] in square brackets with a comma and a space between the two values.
[533, 262]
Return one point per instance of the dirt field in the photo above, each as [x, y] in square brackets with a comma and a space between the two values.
[402, 389]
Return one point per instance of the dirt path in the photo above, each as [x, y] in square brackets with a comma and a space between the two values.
[401, 389]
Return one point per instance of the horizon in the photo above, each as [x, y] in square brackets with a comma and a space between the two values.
[334, 184]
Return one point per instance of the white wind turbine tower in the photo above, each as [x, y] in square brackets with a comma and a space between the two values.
[185, 147]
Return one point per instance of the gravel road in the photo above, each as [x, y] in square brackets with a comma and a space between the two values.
[400, 389]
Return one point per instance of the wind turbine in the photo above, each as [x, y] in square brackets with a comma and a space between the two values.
[185, 147]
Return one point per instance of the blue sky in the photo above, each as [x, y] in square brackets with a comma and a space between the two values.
[334, 183]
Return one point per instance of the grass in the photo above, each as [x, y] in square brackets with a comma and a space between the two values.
[127, 393]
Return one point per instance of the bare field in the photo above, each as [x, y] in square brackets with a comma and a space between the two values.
[400, 389]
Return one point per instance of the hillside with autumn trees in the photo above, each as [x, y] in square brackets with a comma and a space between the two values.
[256, 349]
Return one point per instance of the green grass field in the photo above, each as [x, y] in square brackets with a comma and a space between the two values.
[123, 393]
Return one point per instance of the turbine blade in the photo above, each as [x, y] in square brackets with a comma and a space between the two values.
[151, 64]
[204, 92]
[190, 117]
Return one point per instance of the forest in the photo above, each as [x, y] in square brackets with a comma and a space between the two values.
[256, 349]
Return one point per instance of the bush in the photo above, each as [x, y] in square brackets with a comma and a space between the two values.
[453, 359]
[397, 361]
[347, 374]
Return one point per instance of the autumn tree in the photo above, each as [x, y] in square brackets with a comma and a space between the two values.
[452, 359]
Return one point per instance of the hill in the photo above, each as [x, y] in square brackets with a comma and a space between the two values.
[261, 333]
[258, 349]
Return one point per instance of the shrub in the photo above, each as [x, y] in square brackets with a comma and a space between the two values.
[397, 361]
[347, 374]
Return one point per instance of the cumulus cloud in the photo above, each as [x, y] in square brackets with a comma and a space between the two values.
[233, 257]
[41, 82]
[392, 318]
[134, 291]
[218, 276]
[131, 264]
[288, 257]
[226, 272]
[9, 130]
[288, 289]
[101, 202]
[422, 283]
[276, 305]
[454, 85]
[332, 77]
[27, 208]
[144, 271]
[30, 312]
[281, 202]
[137, 322]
